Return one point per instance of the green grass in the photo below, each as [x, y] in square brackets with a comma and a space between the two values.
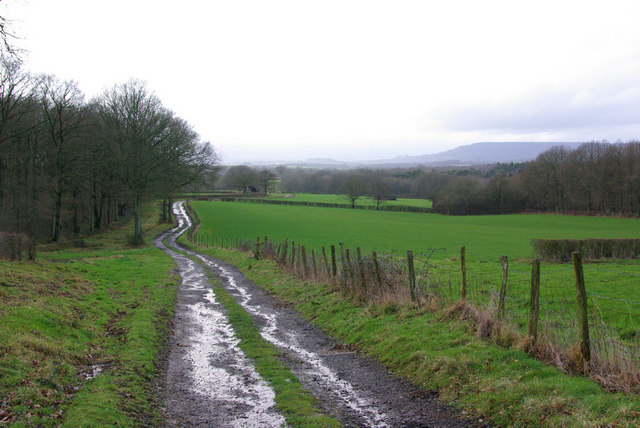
[504, 386]
[108, 305]
[488, 236]
[612, 286]
[341, 199]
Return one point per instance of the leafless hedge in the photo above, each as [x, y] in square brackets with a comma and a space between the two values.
[16, 246]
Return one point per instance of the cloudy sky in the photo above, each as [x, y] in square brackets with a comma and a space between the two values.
[354, 80]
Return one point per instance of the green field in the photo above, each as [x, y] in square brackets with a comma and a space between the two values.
[397, 232]
[341, 199]
[612, 285]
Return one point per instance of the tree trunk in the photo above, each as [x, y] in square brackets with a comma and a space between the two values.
[57, 223]
[165, 217]
[108, 212]
[74, 219]
[137, 231]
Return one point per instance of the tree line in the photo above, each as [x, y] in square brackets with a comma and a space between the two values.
[595, 178]
[70, 166]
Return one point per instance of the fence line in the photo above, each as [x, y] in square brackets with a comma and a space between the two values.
[547, 316]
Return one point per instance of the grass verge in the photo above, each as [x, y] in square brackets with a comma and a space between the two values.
[79, 311]
[504, 386]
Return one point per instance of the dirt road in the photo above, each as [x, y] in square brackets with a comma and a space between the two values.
[210, 382]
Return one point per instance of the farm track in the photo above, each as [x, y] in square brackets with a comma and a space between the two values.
[209, 382]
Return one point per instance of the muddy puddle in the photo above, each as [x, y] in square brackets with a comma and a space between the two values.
[209, 380]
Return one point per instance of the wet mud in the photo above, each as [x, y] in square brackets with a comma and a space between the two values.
[205, 367]
[208, 379]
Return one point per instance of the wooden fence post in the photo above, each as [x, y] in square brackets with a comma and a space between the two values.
[363, 282]
[305, 265]
[534, 304]
[258, 243]
[504, 263]
[333, 261]
[315, 267]
[376, 268]
[583, 321]
[326, 263]
[463, 271]
[349, 267]
[292, 263]
[412, 275]
[283, 256]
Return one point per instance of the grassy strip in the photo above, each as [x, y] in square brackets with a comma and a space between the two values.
[107, 305]
[296, 404]
[504, 386]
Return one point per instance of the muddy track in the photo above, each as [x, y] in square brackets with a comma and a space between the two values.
[209, 381]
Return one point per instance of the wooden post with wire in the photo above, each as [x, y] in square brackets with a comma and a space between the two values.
[534, 303]
[463, 273]
[583, 320]
[305, 265]
[363, 282]
[504, 263]
[376, 268]
[412, 275]
[334, 268]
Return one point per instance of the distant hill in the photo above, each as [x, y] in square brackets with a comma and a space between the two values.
[470, 154]
[480, 153]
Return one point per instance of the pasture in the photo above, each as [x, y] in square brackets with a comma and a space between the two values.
[612, 286]
[341, 199]
[397, 232]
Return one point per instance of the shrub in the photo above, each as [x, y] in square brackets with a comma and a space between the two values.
[560, 249]
[15, 246]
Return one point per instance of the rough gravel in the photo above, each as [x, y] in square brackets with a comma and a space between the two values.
[209, 382]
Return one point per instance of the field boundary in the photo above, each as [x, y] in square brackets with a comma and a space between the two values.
[551, 324]
[398, 208]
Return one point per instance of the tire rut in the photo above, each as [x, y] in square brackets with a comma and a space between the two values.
[208, 379]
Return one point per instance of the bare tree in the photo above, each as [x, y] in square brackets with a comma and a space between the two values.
[188, 162]
[241, 177]
[16, 88]
[354, 186]
[7, 39]
[63, 115]
[378, 186]
[267, 179]
[134, 125]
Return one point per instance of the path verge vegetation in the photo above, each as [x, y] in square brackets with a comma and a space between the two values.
[437, 351]
[80, 330]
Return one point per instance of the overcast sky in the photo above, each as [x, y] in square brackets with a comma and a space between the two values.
[354, 80]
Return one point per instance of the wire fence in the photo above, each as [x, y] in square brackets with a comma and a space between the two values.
[503, 302]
